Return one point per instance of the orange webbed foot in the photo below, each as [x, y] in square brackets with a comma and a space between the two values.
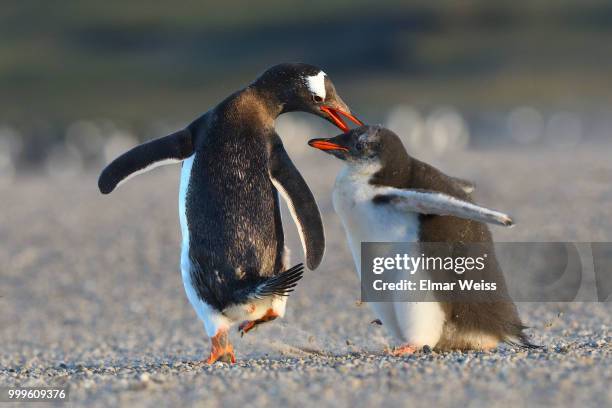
[246, 326]
[221, 349]
[249, 325]
[403, 350]
[270, 315]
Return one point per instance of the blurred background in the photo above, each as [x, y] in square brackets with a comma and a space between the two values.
[83, 81]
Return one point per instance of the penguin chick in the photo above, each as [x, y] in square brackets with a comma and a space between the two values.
[384, 195]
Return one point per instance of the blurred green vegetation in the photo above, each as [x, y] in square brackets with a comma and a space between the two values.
[138, 60]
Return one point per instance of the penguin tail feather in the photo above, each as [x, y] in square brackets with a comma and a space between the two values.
[279, 285]
[522, 341]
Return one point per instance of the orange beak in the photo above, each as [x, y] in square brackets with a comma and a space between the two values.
[323, 144]
[334, 115]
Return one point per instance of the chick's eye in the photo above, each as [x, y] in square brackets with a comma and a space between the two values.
[317, 98]
[359, 146]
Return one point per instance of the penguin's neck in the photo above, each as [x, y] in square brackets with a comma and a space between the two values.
[252, 107]
[395, 171]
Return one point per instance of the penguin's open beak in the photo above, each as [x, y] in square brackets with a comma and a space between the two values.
[335, 115]
[326, 145]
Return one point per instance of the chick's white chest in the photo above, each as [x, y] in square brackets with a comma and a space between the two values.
[365, 221]
[418, 324]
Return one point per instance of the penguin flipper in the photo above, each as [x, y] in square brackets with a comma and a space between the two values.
[302, 205]
[433, 202]
[165, 150]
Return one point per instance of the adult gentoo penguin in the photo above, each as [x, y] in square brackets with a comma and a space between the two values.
[384, 195]
[233, 259]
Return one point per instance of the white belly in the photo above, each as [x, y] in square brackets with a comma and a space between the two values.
[213, 319]
[416, 323]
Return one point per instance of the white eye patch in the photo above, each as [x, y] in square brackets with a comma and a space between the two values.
[316, 84]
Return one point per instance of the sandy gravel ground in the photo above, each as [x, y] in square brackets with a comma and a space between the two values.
[92, 297]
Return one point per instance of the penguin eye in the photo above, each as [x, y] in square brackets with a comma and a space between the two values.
[359, 146]
[317, 98]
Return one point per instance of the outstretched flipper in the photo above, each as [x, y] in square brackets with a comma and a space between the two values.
[433, 202]
[302, 205]
[173, 148]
